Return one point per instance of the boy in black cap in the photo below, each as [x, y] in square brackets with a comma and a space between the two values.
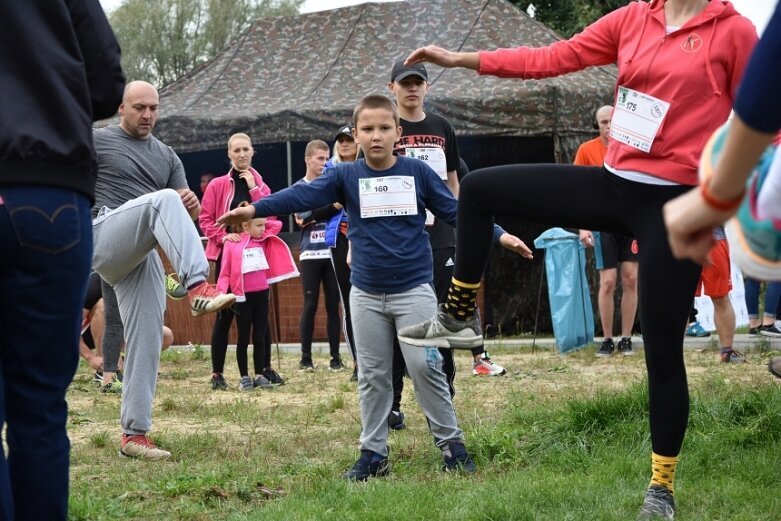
[431, 138]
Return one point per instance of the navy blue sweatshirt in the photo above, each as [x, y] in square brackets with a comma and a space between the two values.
[389, 254]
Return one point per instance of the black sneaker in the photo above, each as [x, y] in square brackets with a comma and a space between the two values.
[396, 421]
[606, 349]
[336, 365]
[456, 458]
[262, 382]
[354, 377]
[306, 366]
[658, 504]
[753, 330]
[218, 382]
[625, 346]
[771, 330]
[98, 377]
[273, 377]
[370, 464]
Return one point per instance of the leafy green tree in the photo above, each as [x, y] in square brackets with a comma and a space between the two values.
[161, 40]
[568, 17]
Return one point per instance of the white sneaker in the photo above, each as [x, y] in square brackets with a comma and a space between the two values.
[485, 367]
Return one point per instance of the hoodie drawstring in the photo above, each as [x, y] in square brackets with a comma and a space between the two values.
[708, 67]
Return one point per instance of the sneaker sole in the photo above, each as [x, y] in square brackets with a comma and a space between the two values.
[770, 334]
[467, 342]
[216, 305]
[603, 355]
[143, 458]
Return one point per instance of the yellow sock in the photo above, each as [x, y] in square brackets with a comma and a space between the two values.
[663, 468]
[461, 297]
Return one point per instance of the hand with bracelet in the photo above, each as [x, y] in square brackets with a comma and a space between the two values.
[690, 218]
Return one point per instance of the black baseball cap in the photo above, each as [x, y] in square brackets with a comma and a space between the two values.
[344, 130]
[401, 71]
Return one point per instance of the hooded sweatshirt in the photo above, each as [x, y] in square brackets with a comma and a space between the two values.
[696, 69]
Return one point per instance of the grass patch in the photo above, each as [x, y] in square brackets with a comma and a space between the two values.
[557, 438]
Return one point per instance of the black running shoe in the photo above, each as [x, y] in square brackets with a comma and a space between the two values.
[625, 346]
[306, 366]
[273, 376]
[370, 464]
[354, 377]
[396, 421]
[336, 365]
[218, 382]
[606, 349]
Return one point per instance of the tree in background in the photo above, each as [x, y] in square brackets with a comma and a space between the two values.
[568, 17]
[162, 40]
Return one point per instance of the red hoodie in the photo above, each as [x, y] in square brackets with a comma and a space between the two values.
[696, 69]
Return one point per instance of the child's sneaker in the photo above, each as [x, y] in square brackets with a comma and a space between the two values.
[658, 504]
[112, 387]
[218, 382]
[456, 458]
[306, 366]
[262, 382]
[173, 289]
[336, 365]
[444, 331]
[246, 384]
[141, 447]
[485, 367]
[396, 421]
[206, 298]
[273, 377]
[696, 330]
[370, 464]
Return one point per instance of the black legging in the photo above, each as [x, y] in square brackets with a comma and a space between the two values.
[313, 271]
[342, 273]
[221, 330]
[593, 199]
[252, 315]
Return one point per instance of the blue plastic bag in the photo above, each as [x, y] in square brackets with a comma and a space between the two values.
[568, 292]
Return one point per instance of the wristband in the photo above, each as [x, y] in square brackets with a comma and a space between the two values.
[720, 204]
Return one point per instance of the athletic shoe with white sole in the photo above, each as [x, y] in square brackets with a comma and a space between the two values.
[444, 331]
[141, 447]
[206, 298]
[173, 289]
[658, 504]
[485, 367]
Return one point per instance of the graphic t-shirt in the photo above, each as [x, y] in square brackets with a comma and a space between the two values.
[432, 140]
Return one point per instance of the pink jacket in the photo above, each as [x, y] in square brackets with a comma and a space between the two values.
[281, 265]
[217, 200]
[696, 69]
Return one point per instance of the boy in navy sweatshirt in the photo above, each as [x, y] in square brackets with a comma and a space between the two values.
[385, 197]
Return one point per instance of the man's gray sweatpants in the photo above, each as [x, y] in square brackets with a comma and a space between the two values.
[125, 257]
[376, 318]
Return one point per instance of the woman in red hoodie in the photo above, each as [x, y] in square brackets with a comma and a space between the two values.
[679, 65]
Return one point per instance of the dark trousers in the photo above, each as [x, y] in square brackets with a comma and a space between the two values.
[342, 273]
[592, 198]
[313, 272]
[45, 257]
[252, 322]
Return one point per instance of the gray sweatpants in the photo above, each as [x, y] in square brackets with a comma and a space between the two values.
[376, 318]
[125, 257]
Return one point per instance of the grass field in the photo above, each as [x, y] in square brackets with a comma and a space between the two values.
[557, 438]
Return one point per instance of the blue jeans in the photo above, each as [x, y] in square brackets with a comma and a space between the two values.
[772, 298]
[45, 254]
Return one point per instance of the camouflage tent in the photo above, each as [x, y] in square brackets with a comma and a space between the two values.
[297, 78]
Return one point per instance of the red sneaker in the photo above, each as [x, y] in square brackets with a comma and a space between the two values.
[141, 447]
[206, 298]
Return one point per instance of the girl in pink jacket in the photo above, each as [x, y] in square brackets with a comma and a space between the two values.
[248, 267]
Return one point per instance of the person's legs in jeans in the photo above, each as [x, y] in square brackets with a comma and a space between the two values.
[44, 265]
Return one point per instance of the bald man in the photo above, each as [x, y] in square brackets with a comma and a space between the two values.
[142, 201]
[610, 250]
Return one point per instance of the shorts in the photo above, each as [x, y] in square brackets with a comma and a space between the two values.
[610, 249]
[94, 291]
[716, 278]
